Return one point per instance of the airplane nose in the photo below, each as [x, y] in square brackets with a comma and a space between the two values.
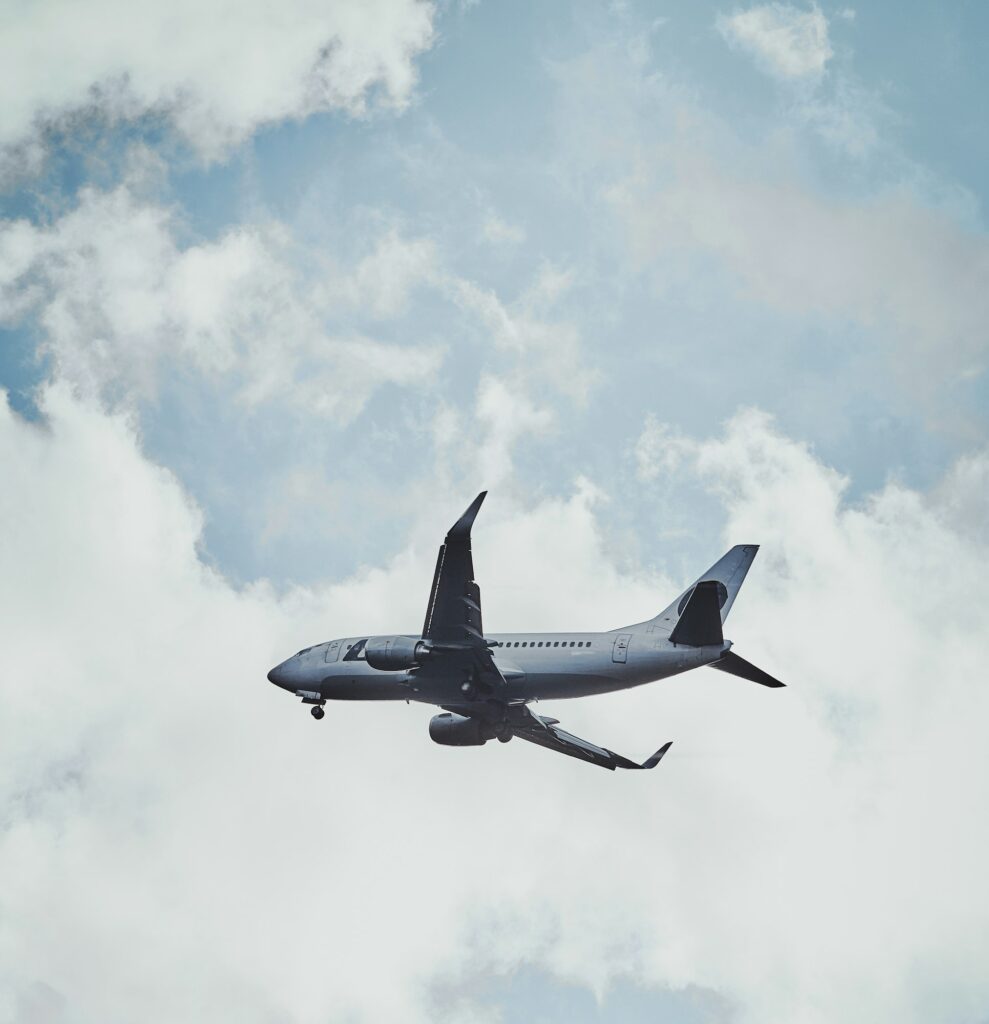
[279, 675]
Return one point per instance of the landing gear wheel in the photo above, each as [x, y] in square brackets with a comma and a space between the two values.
[317, 712]
[504, 733]
[504, 737]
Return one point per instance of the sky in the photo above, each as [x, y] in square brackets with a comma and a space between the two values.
[282, 287]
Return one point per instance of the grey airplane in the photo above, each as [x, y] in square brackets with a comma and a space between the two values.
[485, 683]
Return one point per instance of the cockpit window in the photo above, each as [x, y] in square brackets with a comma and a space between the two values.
[356, 653]
[305, 650]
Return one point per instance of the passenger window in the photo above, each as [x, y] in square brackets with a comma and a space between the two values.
[556, 643]
[580, 643]
[516, 643]
[572, 643]
[588, 643]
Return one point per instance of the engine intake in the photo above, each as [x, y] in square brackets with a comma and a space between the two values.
[457, 731]
[393, 653]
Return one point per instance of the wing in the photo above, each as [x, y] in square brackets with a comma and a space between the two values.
[546, 733]
[453, 628]
[454, 612]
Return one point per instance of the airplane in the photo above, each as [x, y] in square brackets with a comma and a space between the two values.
[484, 683]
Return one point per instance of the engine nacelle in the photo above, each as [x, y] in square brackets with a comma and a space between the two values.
[457, 731]
[393, 653]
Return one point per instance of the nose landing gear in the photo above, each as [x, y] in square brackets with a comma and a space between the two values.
[316, 699]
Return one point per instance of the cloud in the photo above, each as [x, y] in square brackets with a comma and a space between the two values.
[119, 299]
[712, 217]
[384, 279]
[907, 273]
[532, 328]
[186, 837]
[501, 232]
[787, 42]
[120, 296]
[217, 71]
[167, 809]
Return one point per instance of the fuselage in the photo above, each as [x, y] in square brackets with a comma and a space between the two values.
[536, 666]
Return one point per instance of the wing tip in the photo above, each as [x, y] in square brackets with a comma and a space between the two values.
[651, 762]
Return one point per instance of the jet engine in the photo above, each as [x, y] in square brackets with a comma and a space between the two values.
[457, 731]
[393, 653]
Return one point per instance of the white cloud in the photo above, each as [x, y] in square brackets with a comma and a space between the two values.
[121, 297]
[532, 329]
[501, 232]
[118, 298]
[167, 809]
[218, 70]
[786, 41]
[382, 282]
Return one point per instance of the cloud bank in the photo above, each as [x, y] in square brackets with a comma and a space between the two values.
[281, 869]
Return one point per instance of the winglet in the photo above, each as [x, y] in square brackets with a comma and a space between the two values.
[617, 761]
[651, 762]
[461, 528]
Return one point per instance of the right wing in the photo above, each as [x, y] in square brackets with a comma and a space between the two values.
[454, 612]
[452, 629]
[546, 733]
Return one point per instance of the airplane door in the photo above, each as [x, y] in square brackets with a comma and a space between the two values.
[620, 651]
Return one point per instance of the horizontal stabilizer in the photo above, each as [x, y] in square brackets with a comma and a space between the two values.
[736, 666]
[699, 624]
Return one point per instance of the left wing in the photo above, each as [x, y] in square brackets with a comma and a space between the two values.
[546, 733]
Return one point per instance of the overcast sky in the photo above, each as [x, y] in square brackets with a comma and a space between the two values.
[282, 286]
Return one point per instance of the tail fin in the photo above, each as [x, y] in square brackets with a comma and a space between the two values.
[727, 574]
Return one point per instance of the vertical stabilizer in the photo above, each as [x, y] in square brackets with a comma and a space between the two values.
[727, 574]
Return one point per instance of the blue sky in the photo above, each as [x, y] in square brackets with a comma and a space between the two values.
[510, 123]
[655, 274]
